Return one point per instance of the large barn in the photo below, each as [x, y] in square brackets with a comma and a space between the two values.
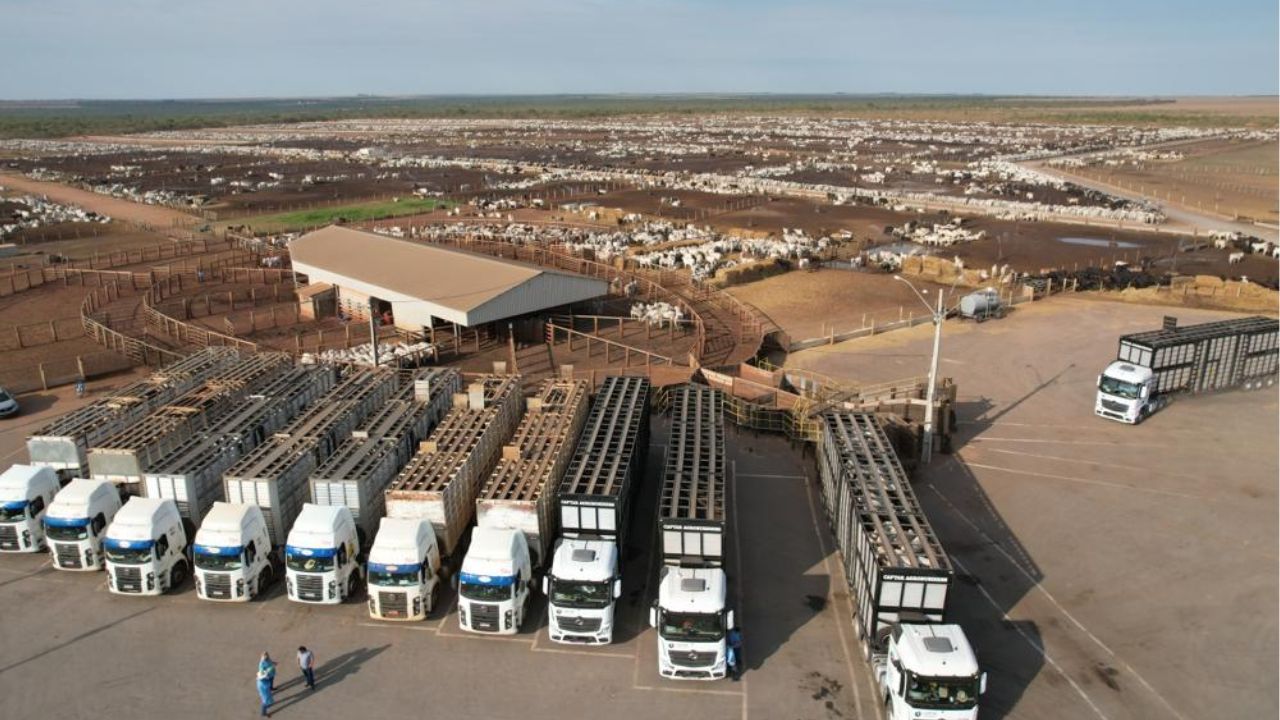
[416, 285]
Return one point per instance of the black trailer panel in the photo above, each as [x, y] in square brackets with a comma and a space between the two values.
[608, 463]
[691, 517]
[1206, 357]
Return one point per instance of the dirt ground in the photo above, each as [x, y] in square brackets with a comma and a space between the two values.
[154, 215]
[810, 304]
[1106, 567]
[1227, 178]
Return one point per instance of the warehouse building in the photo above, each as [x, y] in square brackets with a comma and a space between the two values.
[422, 288]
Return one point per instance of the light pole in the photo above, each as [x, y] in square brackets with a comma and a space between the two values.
[940, 314]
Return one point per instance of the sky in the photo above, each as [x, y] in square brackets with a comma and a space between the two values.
[142, 49]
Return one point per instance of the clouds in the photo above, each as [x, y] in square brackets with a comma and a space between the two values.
[150, 48]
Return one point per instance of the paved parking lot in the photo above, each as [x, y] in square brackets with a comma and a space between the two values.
[1108, 571]
[178, 656]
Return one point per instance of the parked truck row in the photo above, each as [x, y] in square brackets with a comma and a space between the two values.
[898, 572]
[1152, 367]
[64, 444]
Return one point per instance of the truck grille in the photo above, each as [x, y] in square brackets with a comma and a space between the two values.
[578, 624]
[484, 617]
[217, 585]
[393, 604]
[685, 658]
[1114, 406]
[8, 537]
[129, 579]
[310, 587]
[68, 555]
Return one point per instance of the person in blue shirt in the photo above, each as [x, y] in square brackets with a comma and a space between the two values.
[733, 657]
[266, 683]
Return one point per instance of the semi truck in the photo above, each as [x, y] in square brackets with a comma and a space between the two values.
[76, 522]
[1152, 367]
[594, 500]
[321, 556]
[26, 492]
[899, 575]
[64, 444]
[404, 571]
[233, 556]
[146, 548]
[496, 581]
[692, 614]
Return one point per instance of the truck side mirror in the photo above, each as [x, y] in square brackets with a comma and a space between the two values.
[728, 619]
[982, 683]
[1099, 383]
[617, 588]
[1144, 392]
[653, 617]
[546, 585]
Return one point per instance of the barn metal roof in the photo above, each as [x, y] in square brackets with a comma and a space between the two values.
[422, 280]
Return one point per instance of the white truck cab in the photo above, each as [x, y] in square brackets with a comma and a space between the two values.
[930, 671]
[76, 522]
[25, 494]
[494, 585]
[320, 555]
[1125, 393]
[233, 553]
[581, 589]
[146, 548]
[403, 570]
[692, 622]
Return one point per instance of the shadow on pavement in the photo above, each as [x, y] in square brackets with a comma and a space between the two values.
[328, 673]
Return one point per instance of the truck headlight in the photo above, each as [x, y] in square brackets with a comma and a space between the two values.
[288, 583]
[462, 614]
[151, 581]
[373, 606]
[417, 604]
[26, 538]
[506, 619]
[199, 585]
[239, 587]
[88, 557]
[333, 589]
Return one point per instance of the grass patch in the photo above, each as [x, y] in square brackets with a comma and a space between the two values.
[358, 212]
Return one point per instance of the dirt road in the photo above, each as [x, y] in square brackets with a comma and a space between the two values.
[154, 216]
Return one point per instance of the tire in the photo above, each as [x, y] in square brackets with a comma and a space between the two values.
[177, 576]
[1271, 381]
[352, 582]
[264, 580]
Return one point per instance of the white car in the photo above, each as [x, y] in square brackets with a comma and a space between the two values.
[8, 404]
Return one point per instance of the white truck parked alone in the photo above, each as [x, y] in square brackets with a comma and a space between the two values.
[495, 582]
[404, 570]
[233, 553]
[25, 494]
[321, 563]
[76, 522]
[146, 548]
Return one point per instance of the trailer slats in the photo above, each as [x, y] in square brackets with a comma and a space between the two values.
[893, 560]
[594, 494]
[691, 517]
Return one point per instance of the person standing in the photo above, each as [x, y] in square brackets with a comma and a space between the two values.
[266, 670]
[733, 658]
[267, 667]
[307, 662]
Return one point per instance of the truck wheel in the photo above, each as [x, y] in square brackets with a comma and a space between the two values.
[1271, 381]
[351, 586]
[264, 579]
[177, 575]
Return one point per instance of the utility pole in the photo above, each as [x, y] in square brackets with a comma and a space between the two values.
[373, 332]
[939, 315]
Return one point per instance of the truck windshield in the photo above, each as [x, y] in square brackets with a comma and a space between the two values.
[486, 593]
[225, 559]
[128, 556]
[394, 579]
[1114, 386]
[693, 627]
[581, 594]
[67, 532]
[942, 693]
[13, 511]
[307, 563]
